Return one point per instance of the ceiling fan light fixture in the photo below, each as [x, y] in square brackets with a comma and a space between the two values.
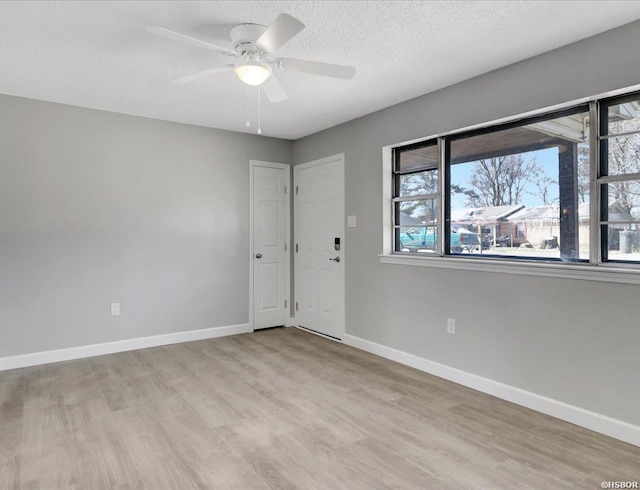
[252, 72]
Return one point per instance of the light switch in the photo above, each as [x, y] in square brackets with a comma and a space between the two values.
[351, 221]
[115, 309]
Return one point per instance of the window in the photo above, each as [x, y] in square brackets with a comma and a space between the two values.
[553, 188]
[619, 179]
[523, 176]
[416, 199]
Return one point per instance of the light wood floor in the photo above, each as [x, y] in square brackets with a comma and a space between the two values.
[280, 409]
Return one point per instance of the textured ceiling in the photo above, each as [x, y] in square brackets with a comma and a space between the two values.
[98, 55]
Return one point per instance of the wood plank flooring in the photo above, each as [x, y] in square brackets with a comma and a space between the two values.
[280, 409]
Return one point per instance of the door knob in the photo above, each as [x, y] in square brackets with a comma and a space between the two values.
[258, 256]
[336, 259]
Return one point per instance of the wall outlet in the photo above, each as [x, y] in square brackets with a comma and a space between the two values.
[351, 221]
[115, 309]
[451, 326]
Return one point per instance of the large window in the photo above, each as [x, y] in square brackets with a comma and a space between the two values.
[522, 182]
[554, 187]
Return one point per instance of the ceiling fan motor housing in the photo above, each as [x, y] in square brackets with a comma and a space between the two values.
[244, 36]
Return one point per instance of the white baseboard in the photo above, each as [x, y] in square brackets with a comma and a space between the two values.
[45, 357]
[615, 428]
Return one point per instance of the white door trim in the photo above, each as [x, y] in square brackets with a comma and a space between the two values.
[339, 157]
[332, 158]
[287, 212]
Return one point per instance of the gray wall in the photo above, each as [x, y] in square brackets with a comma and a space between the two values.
[97, 207]
[570, 340]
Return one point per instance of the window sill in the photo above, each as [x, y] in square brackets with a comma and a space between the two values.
[587, 272]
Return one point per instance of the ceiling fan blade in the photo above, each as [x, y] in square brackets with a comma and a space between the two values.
[278, 33]
[204, 74]
[176, 36]
[273, 89]
[316, 68]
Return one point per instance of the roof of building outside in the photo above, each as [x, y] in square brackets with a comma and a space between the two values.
[552, 212]
[486, 214]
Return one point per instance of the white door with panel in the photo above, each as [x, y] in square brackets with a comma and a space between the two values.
[270, 255]
[319, 238]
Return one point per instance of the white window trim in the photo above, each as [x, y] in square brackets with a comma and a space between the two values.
[587, 272]
[594, 271]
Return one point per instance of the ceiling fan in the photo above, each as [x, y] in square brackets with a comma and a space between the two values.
[253, 46]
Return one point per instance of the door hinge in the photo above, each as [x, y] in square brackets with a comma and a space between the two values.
[296, 306]
[296, 248]
[285, 189]
[296, 190]
[285, 303]
[285, 246]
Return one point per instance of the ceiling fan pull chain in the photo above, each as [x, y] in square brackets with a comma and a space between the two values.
[247, 124]
[259, 112]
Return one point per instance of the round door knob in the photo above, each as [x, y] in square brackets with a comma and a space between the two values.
[258, 256]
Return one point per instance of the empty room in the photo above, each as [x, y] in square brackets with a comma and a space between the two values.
[319, 244]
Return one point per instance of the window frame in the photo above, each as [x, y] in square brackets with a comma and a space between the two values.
[604, 179]
[606, 270]
[397, 174]
[496, 128]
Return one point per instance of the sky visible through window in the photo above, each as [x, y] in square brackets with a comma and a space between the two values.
[547, 164]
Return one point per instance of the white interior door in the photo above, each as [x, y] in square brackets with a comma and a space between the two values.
[319, 228]
[270, 214]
